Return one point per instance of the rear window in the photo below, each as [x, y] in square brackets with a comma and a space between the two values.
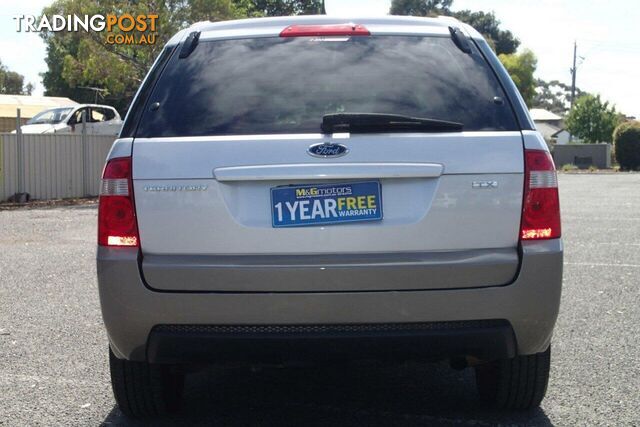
[286, 85]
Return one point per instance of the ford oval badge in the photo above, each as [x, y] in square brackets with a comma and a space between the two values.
[327, 149]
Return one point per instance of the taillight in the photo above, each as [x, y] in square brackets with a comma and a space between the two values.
[117, 225]
[541, 206]
[325, 30]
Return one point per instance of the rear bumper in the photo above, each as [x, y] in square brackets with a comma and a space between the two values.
[132, 313]
[487, 340]
[331, 273]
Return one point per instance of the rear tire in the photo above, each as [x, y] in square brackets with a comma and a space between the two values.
[144, 390]
[518, 383]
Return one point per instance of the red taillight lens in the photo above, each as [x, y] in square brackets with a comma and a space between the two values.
[541, 206]
[325, 30]
[120, 167]
[117, 224]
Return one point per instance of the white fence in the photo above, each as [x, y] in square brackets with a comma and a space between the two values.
[52, 166]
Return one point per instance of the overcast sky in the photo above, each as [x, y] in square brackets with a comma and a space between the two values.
[605, 32]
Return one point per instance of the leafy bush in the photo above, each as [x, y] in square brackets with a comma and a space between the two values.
[569, 167]
[626, 138]
[592, 119]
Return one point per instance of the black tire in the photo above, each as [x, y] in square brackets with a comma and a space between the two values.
[519, 383]
[143, 390]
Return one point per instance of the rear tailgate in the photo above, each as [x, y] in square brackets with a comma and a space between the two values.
[449, 220]
[230, 124]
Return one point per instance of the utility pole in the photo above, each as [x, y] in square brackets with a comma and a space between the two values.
[573, 81]
[96, 91]
[573, 74]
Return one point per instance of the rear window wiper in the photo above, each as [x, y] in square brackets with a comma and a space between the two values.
[380, 123]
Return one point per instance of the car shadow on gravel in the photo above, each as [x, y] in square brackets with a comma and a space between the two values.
[354, 394]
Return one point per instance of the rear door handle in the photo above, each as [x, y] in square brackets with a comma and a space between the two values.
[328, 171]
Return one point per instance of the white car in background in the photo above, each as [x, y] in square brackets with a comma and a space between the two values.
[100, 120]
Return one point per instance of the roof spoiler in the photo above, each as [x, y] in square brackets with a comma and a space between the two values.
[189, 44]
[460, 39]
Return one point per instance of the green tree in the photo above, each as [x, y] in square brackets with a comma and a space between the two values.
[282, 7]
[488, 25]
[420, 7]
[55, 85]
[77, 59]
[627, 141]
[592, 120]
[521, 67]
[12, 83]
[554, 96]
[501, 41]
[626, 138]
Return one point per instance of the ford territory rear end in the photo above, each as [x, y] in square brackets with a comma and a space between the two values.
[314, 189]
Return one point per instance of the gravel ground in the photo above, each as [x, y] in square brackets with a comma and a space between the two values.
[53, 358]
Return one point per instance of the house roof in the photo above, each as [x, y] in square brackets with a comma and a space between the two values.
[539, 114]
[30, 105]
[547, 129]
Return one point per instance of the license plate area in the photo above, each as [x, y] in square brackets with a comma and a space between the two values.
[322, 204]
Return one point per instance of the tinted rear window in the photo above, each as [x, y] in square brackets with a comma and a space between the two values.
[286, 85]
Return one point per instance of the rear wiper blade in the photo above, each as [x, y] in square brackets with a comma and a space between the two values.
[380, 123]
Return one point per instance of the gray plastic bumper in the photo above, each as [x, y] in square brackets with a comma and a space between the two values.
[131, 310]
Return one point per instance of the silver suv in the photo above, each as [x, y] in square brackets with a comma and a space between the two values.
[313, 189]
